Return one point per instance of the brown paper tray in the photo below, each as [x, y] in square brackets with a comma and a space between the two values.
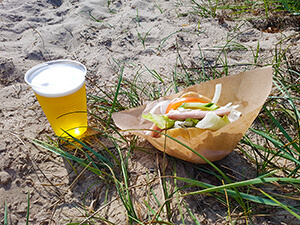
[249, 90]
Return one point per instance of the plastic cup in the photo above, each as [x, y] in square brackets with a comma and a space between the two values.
[59, 87]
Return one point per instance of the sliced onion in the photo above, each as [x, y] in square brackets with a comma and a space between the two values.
[162, 107]
[218, 89]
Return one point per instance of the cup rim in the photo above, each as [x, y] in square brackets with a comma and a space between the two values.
[37, 69]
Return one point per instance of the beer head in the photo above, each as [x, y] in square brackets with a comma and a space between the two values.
[60, 89]
[56, 78]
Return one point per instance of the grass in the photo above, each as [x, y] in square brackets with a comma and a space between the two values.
[276, 157]
[250, 9]
[5, 219]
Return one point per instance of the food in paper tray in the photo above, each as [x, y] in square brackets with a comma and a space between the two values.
[191, 110]
[248, 89]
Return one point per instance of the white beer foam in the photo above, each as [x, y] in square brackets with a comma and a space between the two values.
[57, 81]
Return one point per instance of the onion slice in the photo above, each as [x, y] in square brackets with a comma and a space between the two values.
[162, 107]
[218, 89]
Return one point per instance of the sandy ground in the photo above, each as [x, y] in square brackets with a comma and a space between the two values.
[35, 31]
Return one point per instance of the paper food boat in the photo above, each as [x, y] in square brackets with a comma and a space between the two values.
[249, 90]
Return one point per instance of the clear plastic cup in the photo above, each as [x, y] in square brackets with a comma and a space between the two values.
[59, 87]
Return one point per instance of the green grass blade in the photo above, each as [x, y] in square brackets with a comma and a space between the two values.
[65, 154]
[191, 214]
[286, 94]
[125, 192]
[5, 214]
[287, 208]
[279, 145]
[286, 135]
[116, 95]
[99, 156]
[166, 38]
[157, 217]
[155, 74]
[177, 194]
[260, 180]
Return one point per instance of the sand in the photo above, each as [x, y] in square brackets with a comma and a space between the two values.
[138, 33]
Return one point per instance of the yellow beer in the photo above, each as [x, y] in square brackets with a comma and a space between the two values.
[60, 89]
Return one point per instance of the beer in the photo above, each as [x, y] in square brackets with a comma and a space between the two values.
[60, 89]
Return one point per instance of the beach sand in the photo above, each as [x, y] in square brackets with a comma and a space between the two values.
[138, 33]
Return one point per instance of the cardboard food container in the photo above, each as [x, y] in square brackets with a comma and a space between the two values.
[249, 90]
